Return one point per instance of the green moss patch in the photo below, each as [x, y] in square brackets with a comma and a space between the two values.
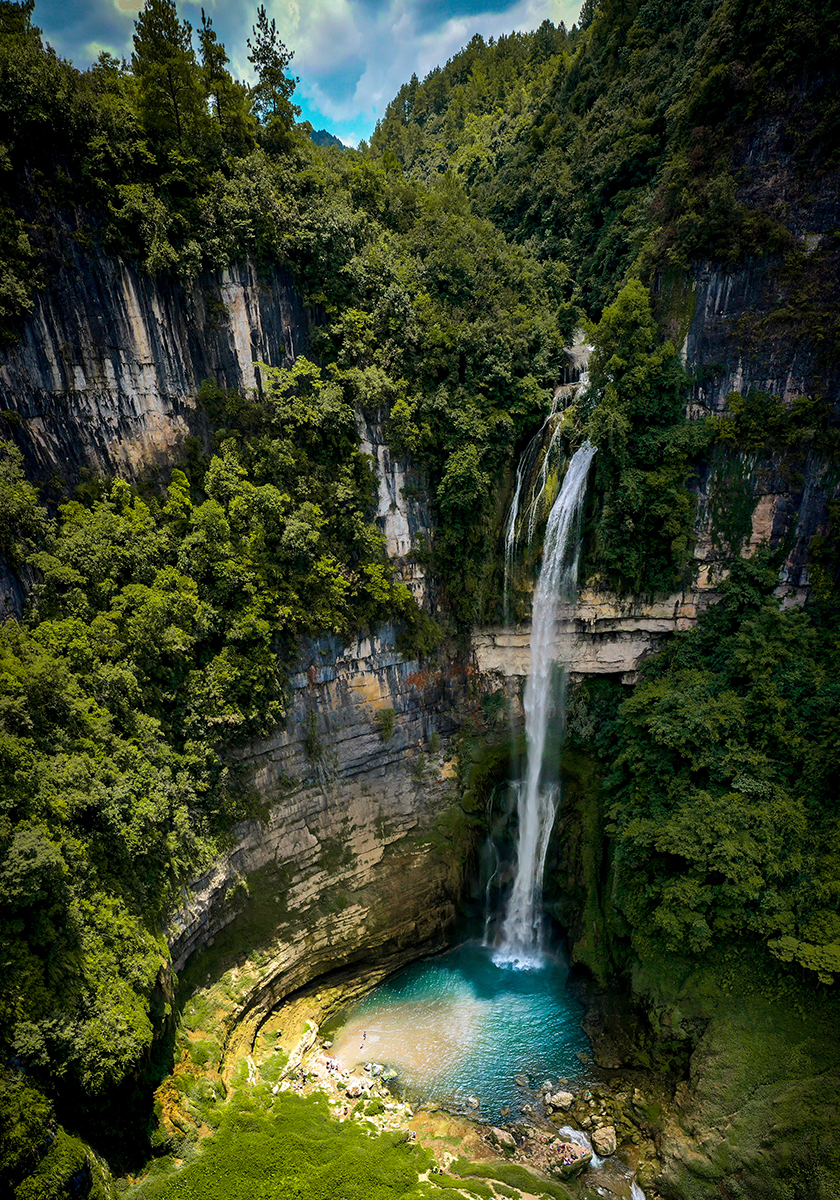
[287, 1146]
[514, 1176]
[470, 1186]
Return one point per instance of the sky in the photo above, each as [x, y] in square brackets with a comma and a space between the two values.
[351, 56]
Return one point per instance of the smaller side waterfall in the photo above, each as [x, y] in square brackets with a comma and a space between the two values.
[541, 458]
[521, 931]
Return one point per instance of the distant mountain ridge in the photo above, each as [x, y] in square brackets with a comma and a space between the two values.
[322, 137]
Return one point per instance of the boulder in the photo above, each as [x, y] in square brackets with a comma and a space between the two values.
[569, 1159]
[521, 1080]
[560, 1100]
[473, 1102]
[603, 1139]
[528, 1109]
[503, 1139]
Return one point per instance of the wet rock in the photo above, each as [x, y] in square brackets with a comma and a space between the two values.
[504, 1111]
[562, 1100]
[604, 1141]
[528, 1109]
[529, 1132]
[570, 1159]
[473, 1102]
[521, 1080]
[501, 1138]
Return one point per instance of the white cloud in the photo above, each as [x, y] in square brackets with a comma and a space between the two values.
[352, 56]
[386, 43]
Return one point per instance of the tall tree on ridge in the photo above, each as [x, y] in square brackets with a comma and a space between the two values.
[214, 62]
[230, 101]
[272, 94]
[166, 71]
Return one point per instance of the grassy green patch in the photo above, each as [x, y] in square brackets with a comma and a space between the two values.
[273, 1067]
[472, 1186]
[513, 1175]
[199, 1014]
[205, 1052]
[274, 1148]
[765, 1073]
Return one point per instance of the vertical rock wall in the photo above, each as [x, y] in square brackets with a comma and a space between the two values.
[109, 364]
[402, 511]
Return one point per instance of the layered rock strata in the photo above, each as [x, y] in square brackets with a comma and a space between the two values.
[349, 865]
[600, 635]
[402, 504]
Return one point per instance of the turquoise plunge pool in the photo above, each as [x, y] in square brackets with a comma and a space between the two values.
[460, 1026]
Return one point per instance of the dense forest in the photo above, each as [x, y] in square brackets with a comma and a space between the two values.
[530, 185]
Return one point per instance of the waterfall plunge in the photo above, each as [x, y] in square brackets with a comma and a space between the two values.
[520, 940]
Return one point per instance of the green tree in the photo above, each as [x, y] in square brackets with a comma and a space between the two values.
[166, 72]
[272, 94]
[229, 100]
[643, 512]
[723, 784]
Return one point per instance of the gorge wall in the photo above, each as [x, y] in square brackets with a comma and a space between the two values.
[108, 366]
[105, 377]
[356, 859]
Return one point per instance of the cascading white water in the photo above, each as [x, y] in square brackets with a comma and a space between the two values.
[521, 930]
[543, 449]
[541, 481]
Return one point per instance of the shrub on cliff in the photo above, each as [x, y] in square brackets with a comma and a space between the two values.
[641, 511]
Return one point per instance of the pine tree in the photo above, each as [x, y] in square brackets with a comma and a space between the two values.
[230, 101]
[272, 94]
[167, 73]
[214, 60]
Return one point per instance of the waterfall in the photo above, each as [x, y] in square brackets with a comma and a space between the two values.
[537, 801]
[542, 454]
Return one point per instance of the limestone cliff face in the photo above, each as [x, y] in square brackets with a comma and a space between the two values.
[402, 511]
[599, 635]
[733, 345]
[348, 865]
[109, 364]
[762, 323]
